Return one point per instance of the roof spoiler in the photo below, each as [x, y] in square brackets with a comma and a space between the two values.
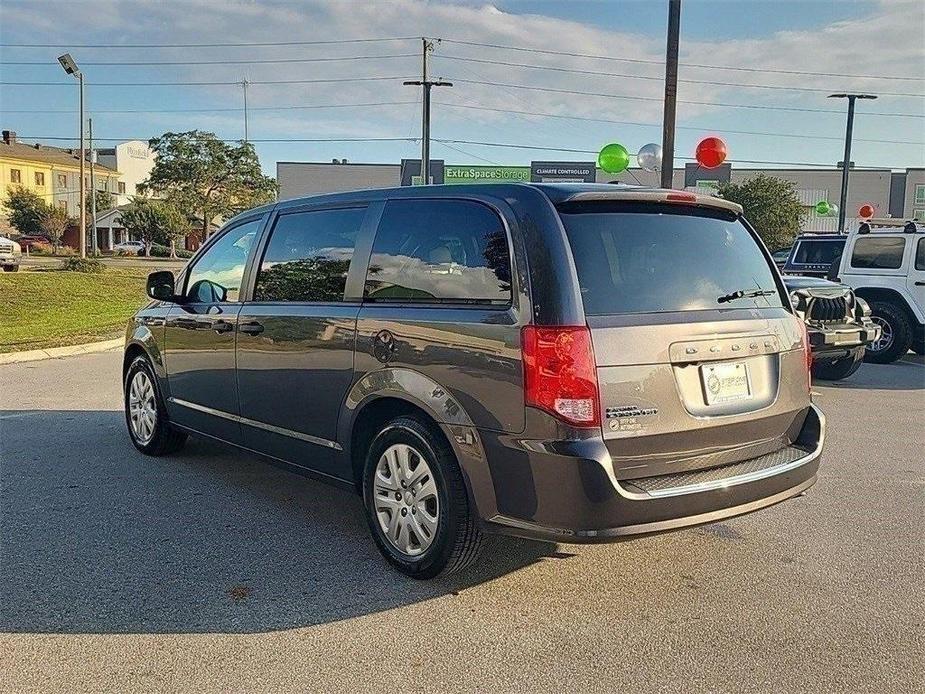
[684, 197]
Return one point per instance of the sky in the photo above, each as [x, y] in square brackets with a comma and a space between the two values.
[585, 73]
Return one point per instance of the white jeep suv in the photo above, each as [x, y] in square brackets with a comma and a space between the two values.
[885, 265]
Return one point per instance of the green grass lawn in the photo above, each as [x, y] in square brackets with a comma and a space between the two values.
[54, 308]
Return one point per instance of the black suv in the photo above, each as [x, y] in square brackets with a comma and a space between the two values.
[815, 255]
[574, 363]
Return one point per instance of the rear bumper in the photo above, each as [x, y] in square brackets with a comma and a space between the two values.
[575, 498]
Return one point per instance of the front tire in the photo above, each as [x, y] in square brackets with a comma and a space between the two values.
[837, 369]
[11, 268]
[896, 336]
[145, 414]
[416, 502]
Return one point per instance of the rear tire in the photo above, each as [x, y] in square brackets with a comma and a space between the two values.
[896, 337]
[11, 268]
[145, 413]
[403, 524]
[837, 369]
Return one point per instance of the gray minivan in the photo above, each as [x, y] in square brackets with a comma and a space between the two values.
[568, 362]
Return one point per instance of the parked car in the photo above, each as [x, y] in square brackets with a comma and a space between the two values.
[780, 256]
[10, 254]
[813, 255]
[568, 362]
[30, 241]
[885, 266]
[838, 324]
[129, 247]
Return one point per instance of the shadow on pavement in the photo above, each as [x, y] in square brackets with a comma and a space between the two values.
[97, 538]
[906, 374]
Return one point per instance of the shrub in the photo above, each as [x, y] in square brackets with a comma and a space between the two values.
[66, 251]
[91, 265]
[41, 249]
[159, 251]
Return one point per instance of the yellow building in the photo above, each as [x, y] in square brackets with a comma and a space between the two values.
[52, 172]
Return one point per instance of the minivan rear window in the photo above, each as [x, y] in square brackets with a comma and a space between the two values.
[659, 258]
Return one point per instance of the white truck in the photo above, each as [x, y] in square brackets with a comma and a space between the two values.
[885, 266]
[10, 254]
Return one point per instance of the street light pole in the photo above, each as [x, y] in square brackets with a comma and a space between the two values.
[849, 130]
[93, 240]
[426, 85]
[671, 91]
[70, 67]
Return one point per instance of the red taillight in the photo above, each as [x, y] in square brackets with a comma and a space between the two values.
[560, 375]
[808, 356]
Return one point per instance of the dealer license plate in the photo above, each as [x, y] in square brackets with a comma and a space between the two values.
[725, 382]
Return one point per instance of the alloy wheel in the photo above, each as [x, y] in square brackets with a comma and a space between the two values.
[886, 335]
[405, 498]
[142, 407]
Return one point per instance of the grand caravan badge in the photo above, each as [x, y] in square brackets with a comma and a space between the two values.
[625, 418]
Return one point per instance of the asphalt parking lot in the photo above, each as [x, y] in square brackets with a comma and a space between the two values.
[213, 571]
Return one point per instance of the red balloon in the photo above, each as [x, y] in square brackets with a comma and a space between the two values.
[711, 152]
[866, 211]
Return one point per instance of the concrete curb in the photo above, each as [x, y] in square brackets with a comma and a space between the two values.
[58, 352]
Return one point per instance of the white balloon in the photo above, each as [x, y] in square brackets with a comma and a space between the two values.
[650, 157]
[833, 210]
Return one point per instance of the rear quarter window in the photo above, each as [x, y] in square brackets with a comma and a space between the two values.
[874, 253]
[656, 258]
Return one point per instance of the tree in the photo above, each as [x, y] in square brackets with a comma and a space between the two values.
[54, 223]
[771, 206]
[203, 176]
[154, 221]
[104, 201]
[26, 210]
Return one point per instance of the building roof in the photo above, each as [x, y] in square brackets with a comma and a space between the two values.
[45, 154]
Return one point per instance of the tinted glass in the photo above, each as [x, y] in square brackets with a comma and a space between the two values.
[679, 260]
[440, 251]
[920, 255]
[308, 256]
[216, 276]
[878, 253]
[818, 252]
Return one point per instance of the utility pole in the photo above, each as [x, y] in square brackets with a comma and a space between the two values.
[93, 243]
[671, 91]
[244, 84]
[425, 85]
[849, 130]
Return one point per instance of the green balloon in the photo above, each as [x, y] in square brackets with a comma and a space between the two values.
[613, 158]
[822, 207]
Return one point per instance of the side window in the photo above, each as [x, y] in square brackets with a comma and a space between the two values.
[431, 251]
[920, 254]
[875, 253]
[308, 256]
[216, 276]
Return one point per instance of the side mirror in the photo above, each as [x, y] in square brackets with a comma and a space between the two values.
[160, 286]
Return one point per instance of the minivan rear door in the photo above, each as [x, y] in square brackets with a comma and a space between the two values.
[699, 357]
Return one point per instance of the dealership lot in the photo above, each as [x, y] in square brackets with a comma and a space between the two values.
[214, 571]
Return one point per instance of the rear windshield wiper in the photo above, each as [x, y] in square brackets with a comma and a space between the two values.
[745, 294]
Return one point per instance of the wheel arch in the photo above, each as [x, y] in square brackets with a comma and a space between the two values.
[884, 294]
[387, 393]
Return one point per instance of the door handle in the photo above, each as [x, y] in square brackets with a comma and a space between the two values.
[252, 328]
[920, 283]
[222, 326]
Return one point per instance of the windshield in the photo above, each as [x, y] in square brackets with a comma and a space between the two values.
[665, 258]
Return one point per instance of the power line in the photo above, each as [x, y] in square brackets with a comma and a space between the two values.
[680, 101]
[269, 61]
[234, 83]
[224, 44]
[236, 109]
[680, 127]
[479, 143]
[685, 63]
[661, 79]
